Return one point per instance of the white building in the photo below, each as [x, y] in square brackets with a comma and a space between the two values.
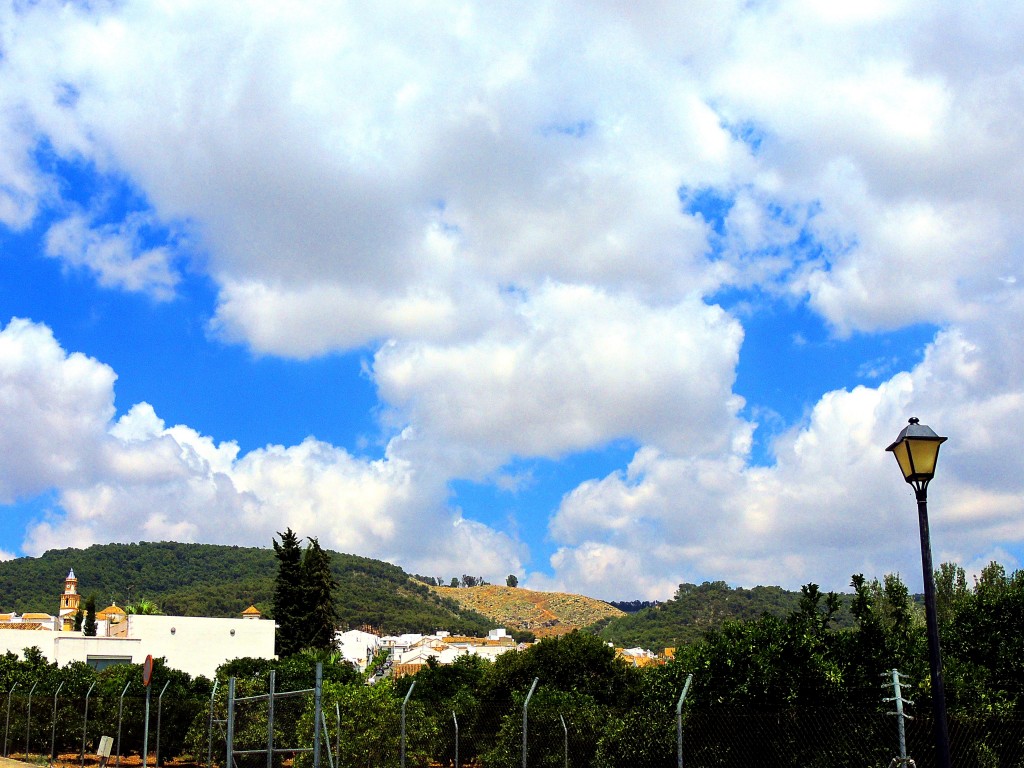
[192, 644]
[357, 647]
[409, 657]
[401, 643]
[28, 622]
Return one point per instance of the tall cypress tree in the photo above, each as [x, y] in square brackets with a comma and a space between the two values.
[319, 584]
[288, 594]
[89, 625]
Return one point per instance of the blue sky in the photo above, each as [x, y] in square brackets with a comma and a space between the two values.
[594, 295]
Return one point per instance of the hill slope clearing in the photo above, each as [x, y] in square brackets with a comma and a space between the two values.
[543, 613]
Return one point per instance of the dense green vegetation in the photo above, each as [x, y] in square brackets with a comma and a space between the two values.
[795, 689]
[769, 691]
[221, 581]
[168, 573]
[696, 609]
[211, 580]
[64, 723]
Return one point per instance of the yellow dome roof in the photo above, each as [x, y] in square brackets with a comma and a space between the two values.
[252, 610]
[111, 613]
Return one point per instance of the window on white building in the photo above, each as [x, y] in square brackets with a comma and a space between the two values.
[99, 663]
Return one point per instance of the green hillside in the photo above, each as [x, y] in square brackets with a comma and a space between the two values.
[695, 609]
[212, 580]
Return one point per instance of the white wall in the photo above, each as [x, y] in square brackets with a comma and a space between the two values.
[16, 640]
[198, 645]
[354, 645]
[193, 644]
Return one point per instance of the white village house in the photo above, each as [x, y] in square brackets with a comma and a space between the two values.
[409, 652]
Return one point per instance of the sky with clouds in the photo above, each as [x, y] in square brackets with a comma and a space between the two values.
[607, 295]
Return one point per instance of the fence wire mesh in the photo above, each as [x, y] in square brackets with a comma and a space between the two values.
[490, 736]
[69, 733]
[361, 728]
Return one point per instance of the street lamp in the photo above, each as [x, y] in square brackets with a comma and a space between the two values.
[917, 450]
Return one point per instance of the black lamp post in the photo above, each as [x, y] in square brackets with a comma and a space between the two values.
[917, 450]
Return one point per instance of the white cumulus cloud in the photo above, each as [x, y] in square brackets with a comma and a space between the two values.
[135, 478]
[574, 369]
[530, 219]
[832, 505]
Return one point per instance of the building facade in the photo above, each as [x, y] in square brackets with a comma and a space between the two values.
[193, 644]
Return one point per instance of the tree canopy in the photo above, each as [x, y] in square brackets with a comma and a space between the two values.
[319, 586]
[289, 594]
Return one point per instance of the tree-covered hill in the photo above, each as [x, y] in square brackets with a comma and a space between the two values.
[695, 609]
[213, 580]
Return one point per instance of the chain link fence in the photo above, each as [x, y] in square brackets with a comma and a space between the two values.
[66, 729]
[364, 727]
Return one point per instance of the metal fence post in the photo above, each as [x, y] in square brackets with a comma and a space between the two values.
[337, 733]
[53, 727]
[327, 738]
[28, 721]
[209, 738]
[159, 714]
[679, 721]
[145, 726]
[120, 713]
[229, 747]
[317, 711]
[456, 720]
[7, 728]
[85, 723]
[272, 686]
[526, 705]
[404, 702]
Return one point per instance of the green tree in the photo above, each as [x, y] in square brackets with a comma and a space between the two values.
[888, 634]
[951, 593]
[318, 584]
[370, 722]
[576, 663]
[89, 625]
[79, 618]
[444, 690]
[143, 607]
[288, 594]
[984, 641]
[644, 733]
[549, 708]
[772, 662]
[512, 580]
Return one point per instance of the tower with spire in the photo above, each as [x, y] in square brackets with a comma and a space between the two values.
[69, 602]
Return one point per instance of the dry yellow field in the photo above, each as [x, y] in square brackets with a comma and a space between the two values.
[543, 613]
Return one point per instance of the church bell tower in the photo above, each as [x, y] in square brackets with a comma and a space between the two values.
[69, 602]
